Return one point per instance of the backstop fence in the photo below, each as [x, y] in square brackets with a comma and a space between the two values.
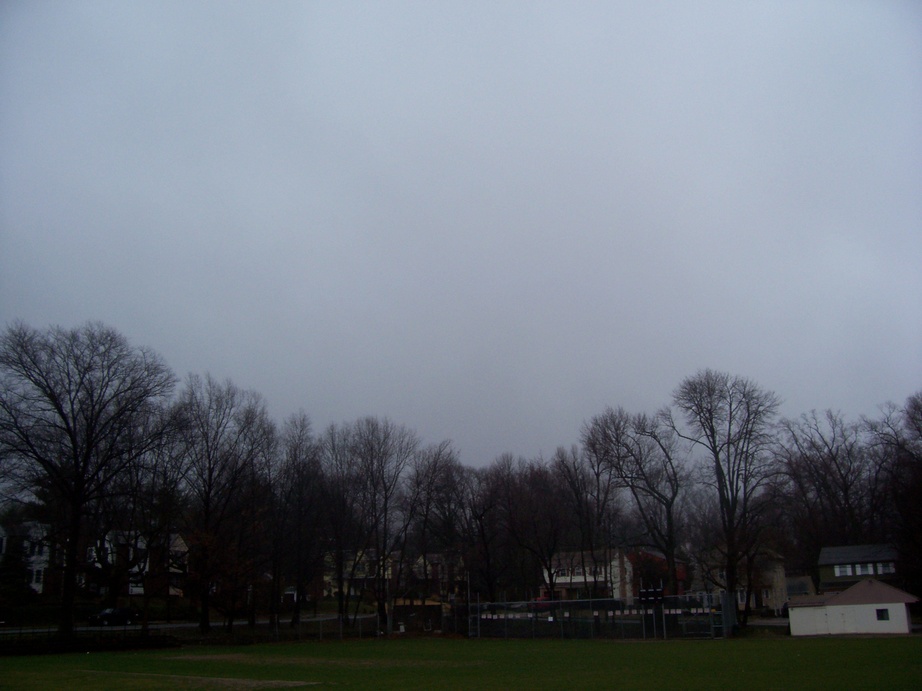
[666, 617]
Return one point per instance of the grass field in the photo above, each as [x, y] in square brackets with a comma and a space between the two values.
[771, 663]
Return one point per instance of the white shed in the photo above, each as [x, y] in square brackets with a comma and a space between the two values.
[869, 606]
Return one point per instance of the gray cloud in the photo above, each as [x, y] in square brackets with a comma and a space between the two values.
[484, 220]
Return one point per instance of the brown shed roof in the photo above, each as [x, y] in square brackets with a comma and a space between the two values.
[866, 592]
[869, 592]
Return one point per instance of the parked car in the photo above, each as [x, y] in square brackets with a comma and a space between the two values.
[114, 616]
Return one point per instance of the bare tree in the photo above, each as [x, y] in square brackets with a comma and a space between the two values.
[592, 491]
[227, 436]
[643, 455]
[486, 557]
[75, 410]
[347, 510]
[896, 438]
[384, 451]
[537, 517]
[835, 484]
[432, 505]
[133, 523]
[730, 419]
[298, 539]
[158, 507]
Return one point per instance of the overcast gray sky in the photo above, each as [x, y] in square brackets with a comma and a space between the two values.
[484, 220]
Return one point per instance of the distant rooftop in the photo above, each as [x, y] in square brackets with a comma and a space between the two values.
[856, 554]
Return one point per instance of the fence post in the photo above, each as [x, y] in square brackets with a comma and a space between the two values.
[478, 615]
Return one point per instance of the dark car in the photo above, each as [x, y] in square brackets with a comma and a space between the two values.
[114, 616]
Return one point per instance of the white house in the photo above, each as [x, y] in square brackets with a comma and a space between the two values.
[575, 573]
[869, 606]
[162, 568]
[36, 551]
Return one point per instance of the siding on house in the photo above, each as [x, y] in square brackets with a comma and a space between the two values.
[842, 567]
[577, 572]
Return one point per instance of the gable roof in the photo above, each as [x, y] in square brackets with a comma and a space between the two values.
[866, 592]
[869, 592]
[856, 554]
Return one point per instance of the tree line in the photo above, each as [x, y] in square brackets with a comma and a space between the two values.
[98, 436]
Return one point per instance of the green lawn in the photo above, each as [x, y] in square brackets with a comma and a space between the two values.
[769, 663]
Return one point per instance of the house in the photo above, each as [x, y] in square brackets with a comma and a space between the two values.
[869, 606]
[652, 570]
[842, 567]
[161, 568]
[31, 538]
[578, 575]
[771, 584]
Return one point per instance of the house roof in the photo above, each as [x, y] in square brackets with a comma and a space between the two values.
[809, 600]
[866, 592]
[871, 591]
[856, 554]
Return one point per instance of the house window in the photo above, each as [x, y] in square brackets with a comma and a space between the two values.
[886, 567]
[864, 569]
[883, 615]
[843, 570]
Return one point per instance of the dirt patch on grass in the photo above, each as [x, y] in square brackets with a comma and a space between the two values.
[183, 680]
[323, 661]
[218, 657]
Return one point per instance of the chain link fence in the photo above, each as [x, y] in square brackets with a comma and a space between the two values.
[664, 618]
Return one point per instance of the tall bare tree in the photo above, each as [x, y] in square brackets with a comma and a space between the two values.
[836, 486]
[297, 542]
[537, 516]
[384, 451]
[729, 419]
[486, 558]
[347, 510]
[896, 437]
[227, 435]
[592, 491]
[643, 455]
[432, 504]
[158, 507]
[75, 410]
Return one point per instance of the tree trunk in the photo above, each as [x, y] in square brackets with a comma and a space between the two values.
[204, 622]
[69, 586]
